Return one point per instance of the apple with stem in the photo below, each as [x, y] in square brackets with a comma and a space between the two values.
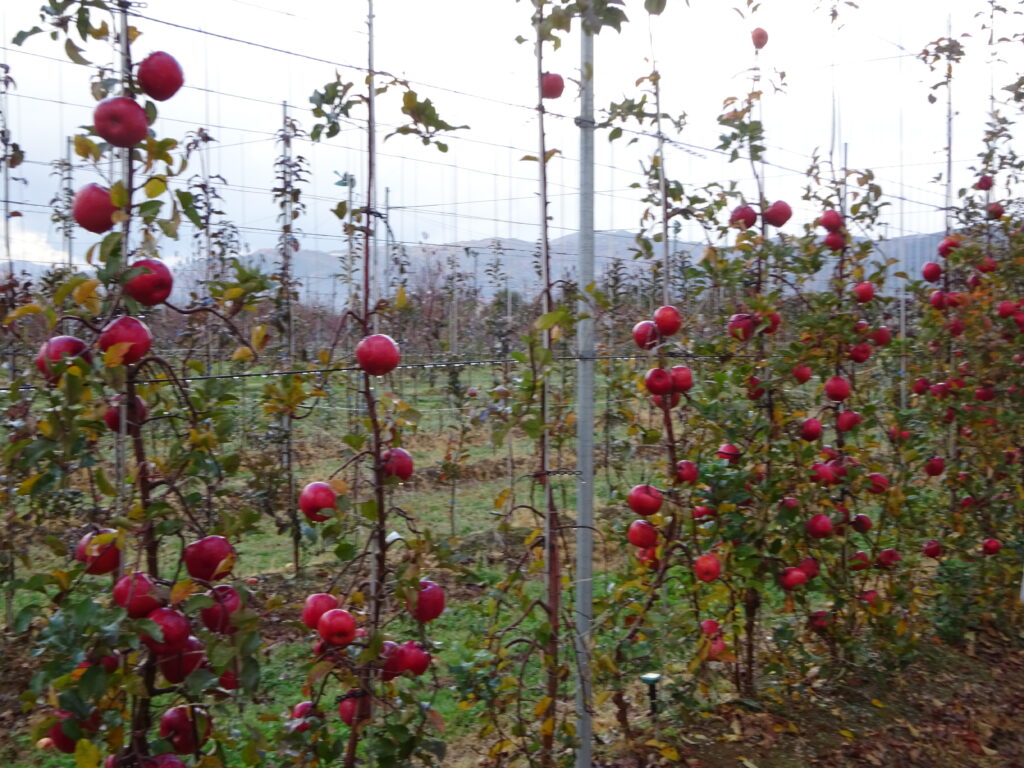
[153, 286]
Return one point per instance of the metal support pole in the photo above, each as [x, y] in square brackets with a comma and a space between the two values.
[584, 586]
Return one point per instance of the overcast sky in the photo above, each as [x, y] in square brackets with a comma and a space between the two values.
[462, 54]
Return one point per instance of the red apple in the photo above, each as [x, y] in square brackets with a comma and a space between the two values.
[991, 546]
[348, 707]
[130, 331]
[551, 85]
[120, 121]
[984, 183]
[819, 526]
[393, 658]
[935, 466]
[209, 559]
[644, 499]
[314, 497]
[1006, 308]
[177, 666]
[869, 596]
[301, 716]
[743, 217]
[792, 578]
[864, 291]
[802, 373]
[187, 727]
[741, 327]
[337, 627]
[92, 209]
[58, 348]
[642, 534]
[645, 334]
[986, 265]
[710, 627]
[759, 37]
[947, 246]
[217, 617]
[153, 286]
[671, 402]
[703, 511]
[932, 548]
[881, 336]
[754, 389]
[847, 420]
[810, 567]
[417, 660]
[649, 557]
[682, 378]
[667, 320]
[837, 389]
[819, 621]
[931, 272]
[831, 220]
[994, 211]
[823, 474]
[877, 483]
[99, 551]
[789, 502]
[176, 631]
[658, 381]
[861, 523]
[729, 452]
[778, 213]
[888, 558]
[707, 568]
[317, 605]
[228, 680]
[687, 472]
[397, 463]
[810, 430]
[429, 602]
[160, 76]
[859, 353]
[378, 354]
[137, 594]
[137, 414]
[835, 241]
[858, 561]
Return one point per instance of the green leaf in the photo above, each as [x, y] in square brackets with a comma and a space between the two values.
[103, 483]
[75, 53]
[655, 7]
[24, 35]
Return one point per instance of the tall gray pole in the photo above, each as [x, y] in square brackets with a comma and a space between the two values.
[585, 414]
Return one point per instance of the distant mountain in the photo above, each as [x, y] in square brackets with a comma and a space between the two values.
[321, 274]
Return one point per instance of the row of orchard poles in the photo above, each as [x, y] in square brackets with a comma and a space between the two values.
[5, 159]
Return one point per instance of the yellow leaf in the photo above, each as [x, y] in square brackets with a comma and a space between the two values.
[61, 577]
[119, 195]
[339, 486]
[500, 747]
[323, 356]
[25, 487]
[119, 217]
[25, 309]
[848, 735]
[747, 763]
[45, 428]
[84, 290]
[542, 706]
[183, 590]
[86, 148]
[502, 499]
[87, 754]
[401, 300]
[878, 703]
[242, 353]
[233, 293]
[258, 336]
[155, 187]
[547, 727]
[115, 353]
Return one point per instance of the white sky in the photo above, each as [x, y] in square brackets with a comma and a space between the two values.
[462, 54]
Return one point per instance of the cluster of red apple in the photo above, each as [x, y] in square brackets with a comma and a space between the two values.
[122, 122]
[337, 629]
[775, 215]
[177, 651]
